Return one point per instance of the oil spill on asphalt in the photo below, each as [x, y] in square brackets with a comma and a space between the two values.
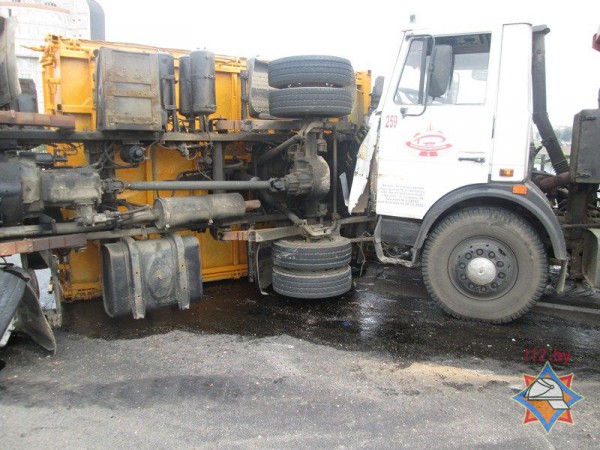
[388, 312]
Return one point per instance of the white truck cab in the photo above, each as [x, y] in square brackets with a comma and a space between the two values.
[477, 130]
[447, 159]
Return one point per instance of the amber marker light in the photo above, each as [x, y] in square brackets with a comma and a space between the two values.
[519, 189]
[507, 172]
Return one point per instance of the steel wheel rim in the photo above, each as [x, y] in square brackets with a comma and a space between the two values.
[483, 268]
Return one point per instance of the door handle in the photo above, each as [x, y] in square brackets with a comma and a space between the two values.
[473, 159]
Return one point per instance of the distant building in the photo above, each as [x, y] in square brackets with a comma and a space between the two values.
[82, 19]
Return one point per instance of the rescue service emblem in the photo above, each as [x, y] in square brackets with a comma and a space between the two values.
[548, 398]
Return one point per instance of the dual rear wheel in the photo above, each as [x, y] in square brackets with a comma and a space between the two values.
[311, 269]
[307, 87]
[311, 86]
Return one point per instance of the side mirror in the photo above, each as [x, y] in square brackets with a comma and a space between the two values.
[441, 74]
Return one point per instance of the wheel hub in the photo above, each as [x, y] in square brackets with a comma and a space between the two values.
[483, 268]
[481, 271]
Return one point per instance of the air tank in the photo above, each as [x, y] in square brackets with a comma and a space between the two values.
[204, 100]
[185, 86]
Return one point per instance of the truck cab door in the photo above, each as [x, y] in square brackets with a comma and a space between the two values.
[436, 123]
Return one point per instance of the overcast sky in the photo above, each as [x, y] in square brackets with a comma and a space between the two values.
[365, 32]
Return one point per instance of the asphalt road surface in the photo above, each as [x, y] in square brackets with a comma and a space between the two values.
[380, 367]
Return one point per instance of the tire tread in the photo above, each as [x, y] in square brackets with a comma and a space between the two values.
[310, 101]
[310, 70]
[312, 285]
[470, 214]
[295, 253]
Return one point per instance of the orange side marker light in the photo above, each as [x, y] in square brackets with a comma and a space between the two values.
[519, 189]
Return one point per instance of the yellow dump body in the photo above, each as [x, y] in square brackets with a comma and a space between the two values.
[68, 85]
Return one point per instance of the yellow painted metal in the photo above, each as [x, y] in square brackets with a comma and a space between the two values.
[68, 86]
[79, 274]
[68, 77]
[363, 97]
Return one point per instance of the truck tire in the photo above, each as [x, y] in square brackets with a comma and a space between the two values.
[310, 70]
[296, 253]
[310, 102]
[312, 285]
[485, 264]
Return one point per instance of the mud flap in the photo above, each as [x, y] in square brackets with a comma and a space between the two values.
[258, 88]
[591, 253]
[13, 281]
[562, 278]
[19, 299]
[32, 321]
[263, 264]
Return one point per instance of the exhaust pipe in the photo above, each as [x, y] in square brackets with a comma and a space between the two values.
[176, 211]
[540, 112]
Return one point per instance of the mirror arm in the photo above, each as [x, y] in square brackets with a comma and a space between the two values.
[404, 112]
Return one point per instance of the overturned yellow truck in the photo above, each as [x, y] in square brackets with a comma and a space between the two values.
[154, 170]
[210, 135]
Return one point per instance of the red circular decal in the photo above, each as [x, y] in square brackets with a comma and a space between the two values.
[429, 143]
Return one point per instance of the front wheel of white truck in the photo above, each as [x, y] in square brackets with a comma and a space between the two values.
[486, 264]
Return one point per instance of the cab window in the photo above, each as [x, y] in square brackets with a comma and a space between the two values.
[468, 83]
[412, 81]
